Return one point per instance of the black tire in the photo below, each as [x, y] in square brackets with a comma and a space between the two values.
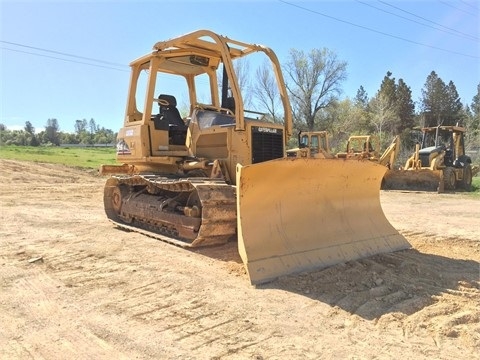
[467, 178]
[449, 179]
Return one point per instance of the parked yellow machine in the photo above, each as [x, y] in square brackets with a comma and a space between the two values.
[361, 146]
[312, 144]
[315, 144]
[368, 147]
[439, 163]
[221, 172]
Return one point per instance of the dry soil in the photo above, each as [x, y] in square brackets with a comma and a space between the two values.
[72, 286]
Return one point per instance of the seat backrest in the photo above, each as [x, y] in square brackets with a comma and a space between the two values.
[169, 111]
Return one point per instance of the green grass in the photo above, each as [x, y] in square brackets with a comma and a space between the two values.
[476, 186]
[92, 158]
[89, 158]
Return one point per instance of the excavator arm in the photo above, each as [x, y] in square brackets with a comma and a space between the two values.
[390, 154]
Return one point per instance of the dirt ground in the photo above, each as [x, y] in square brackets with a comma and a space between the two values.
[72, 286]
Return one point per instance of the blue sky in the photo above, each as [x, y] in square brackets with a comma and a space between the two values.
[408, 38]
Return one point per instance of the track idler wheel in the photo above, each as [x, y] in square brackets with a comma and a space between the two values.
[116, 199]
[113, 198]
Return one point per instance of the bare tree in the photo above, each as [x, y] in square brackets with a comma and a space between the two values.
[265, 91]
[383, 111]
[242, 71]
[315, 81]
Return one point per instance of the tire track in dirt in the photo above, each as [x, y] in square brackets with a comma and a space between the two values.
[39, 301]
[191, 324]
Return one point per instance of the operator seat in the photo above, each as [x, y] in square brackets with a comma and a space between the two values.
[169, 118]
[168, 108]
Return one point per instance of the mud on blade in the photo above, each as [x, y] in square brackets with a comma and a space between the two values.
[301, 214]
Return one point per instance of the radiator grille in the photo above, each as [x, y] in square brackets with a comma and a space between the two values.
[267, 144]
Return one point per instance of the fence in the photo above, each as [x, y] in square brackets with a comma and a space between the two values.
[88, 145]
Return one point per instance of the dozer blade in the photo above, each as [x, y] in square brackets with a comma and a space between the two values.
[413, 180]
[298, 214]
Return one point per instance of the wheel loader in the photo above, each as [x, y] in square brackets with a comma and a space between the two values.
[197, 168]
[439, 163]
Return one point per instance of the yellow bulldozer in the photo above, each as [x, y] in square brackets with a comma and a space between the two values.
[220, 172]
[312, 144]
[361, 146]
[439, 163]
[315, 144]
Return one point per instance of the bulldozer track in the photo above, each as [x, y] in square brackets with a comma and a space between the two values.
[203, 211]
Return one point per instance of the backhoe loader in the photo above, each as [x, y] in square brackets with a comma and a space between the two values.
[220, 172]
[439, 163]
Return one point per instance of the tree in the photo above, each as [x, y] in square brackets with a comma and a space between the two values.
[29, 127]
[475, 107]
[68, 138]
[3, 134]
[315, 80]
[476, 103]
[93, 126]
[405, 108]
[440, 103]
[52, 134]
[473, 122]
[384, 107]
[105, 136]
[361, 99]
[31, 137]
[383, 112]
[341, 120]
[392, 111]
[242, 69]
[266, 93]
[454, 105]
[361, 112]
[51, 131]
[388, 88]
[80, 126]
[93, 129]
